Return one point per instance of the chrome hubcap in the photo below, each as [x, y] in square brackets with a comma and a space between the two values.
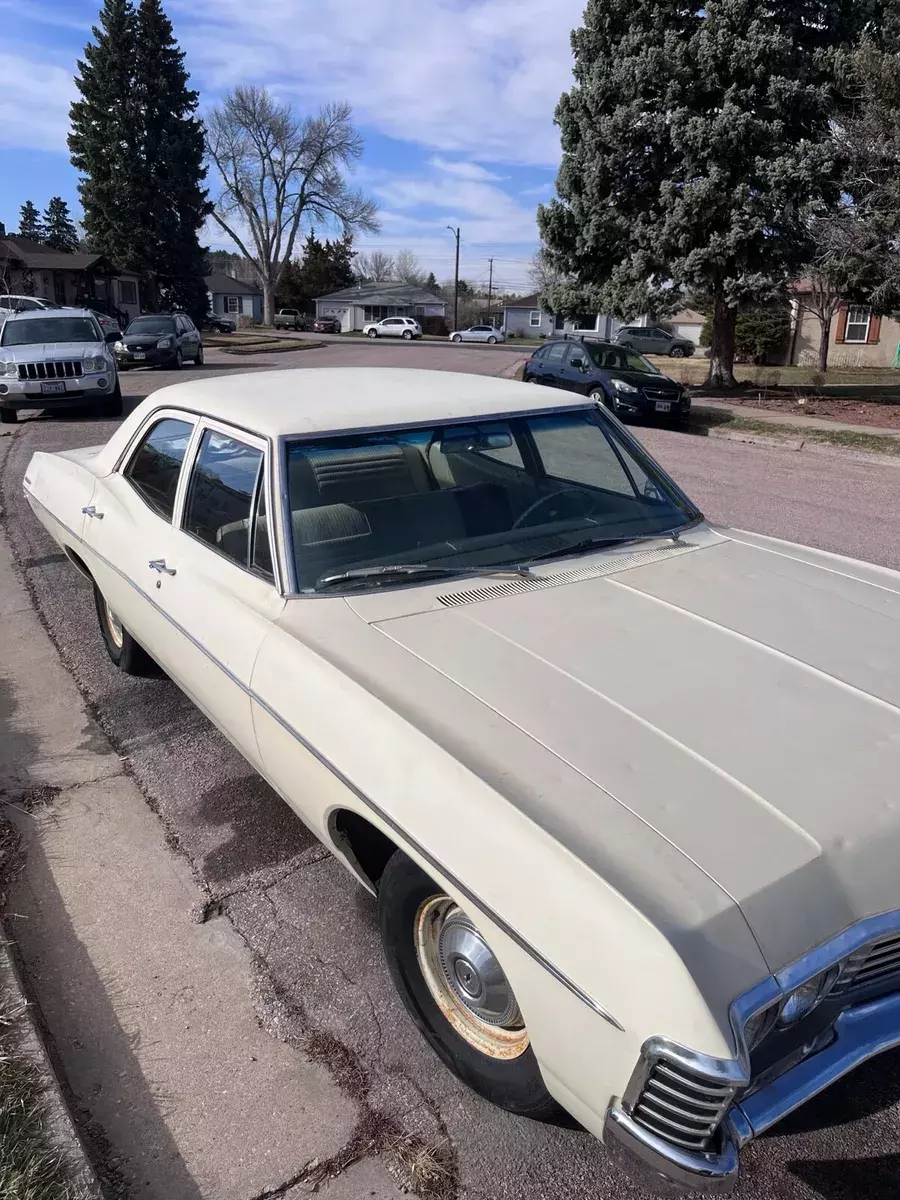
[114, 625]
[466, 980]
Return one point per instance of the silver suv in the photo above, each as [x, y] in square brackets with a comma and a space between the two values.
[652, 339]
[56, 358]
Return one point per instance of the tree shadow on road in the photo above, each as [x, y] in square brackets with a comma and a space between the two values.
[851, 1179]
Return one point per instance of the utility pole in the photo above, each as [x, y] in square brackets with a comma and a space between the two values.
[455, 233]
[490, 287]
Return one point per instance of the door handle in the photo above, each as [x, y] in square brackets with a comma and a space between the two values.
[159, 564]
[90, 511]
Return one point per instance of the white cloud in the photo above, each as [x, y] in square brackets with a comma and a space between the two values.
[480, 79]
[464, 170]
[34, 103]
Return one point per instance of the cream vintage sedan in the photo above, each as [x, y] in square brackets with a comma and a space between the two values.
[625, 785]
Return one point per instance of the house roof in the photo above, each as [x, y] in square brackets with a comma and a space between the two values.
[385, 293]
[220, 283]
[525, 302]
[41, 258]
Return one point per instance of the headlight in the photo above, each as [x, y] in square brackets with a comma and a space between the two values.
[164, 343]
[621, 386]
[119, 347]
[97, 362]
[802, 1000]
[9, 369]
[760, 1024]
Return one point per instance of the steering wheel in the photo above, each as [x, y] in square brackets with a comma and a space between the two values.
[584, 505]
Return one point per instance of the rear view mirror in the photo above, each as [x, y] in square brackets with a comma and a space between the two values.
[472, 442]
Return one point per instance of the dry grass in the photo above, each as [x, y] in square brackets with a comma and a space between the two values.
[847, 438]
[428, 1166]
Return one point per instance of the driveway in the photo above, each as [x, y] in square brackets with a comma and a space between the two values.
[313, 930]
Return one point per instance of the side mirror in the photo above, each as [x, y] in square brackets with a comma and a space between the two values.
[113, 335]
[578, 362]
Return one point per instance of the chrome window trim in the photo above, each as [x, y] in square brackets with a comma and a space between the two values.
[483, 907]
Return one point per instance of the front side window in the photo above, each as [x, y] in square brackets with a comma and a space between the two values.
[36, 330]
[222, 487]
[486, 493]
[617, 358]
[153, 471]
[857, 325]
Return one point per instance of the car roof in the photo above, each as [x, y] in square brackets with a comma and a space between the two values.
[45, 314]
[345, 399]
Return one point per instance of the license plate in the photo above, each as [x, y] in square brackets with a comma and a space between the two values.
[138, 355]
[52, 389]
[664, 406]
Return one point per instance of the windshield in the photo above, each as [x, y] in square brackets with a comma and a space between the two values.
[151, 326]
[49, 329]
[616, 358]
[477, 495]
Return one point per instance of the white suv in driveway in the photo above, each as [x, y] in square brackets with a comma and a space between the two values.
[403, 327]
[56, 358]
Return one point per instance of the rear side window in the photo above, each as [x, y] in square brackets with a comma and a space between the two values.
[153, 471]
[221, 494]
[556, 352]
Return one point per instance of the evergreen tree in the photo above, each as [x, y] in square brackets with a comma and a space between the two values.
[30, 222]
[103, 142]
[172, 204]
[59, 228]
[325, 267]
[696, 145]
[431, 284]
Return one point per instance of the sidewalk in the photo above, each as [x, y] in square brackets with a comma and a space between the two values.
[779, 418]
[179, 1093]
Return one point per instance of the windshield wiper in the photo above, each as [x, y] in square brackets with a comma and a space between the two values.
[603, 543]
[417, 570]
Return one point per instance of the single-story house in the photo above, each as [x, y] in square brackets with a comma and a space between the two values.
[234, 298]
[684, 324]
[858, 337]
[32, 269]
[356, 306]
[526, 318]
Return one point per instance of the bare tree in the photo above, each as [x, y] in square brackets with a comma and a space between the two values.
[278, 170]
[408, 269]
[376, 267]
[542, 273]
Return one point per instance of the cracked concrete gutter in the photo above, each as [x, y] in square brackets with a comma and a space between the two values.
[149, 1013]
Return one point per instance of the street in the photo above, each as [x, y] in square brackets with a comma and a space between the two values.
[313, 931]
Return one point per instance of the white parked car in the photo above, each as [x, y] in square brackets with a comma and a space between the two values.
[57, 358]
[402, 327]
[625, 785]
[478, 333]
[10, 304]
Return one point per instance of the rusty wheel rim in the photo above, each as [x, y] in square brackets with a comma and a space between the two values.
[466, 981]
[114, 625]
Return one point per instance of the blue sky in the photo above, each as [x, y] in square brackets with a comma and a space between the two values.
[455, 100]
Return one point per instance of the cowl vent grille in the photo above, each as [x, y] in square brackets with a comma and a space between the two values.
[533, 583]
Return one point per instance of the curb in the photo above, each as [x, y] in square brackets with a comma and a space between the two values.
[776, 441]
[60, 1126]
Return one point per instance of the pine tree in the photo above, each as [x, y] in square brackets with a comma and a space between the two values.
[696, 144]
[30, 222]
[172, 203]
[103, 141]
[325, 267]
[431, 284]
[59, 228]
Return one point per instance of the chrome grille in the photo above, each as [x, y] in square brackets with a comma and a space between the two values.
[51, 370]
[681, 1106]
[660, 394]
[874, 963]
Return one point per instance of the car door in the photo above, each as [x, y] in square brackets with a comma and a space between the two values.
[552, 360]
[128, 524]
[393, 326]
[478, 333]
[574, 372]
[216, 585]
[192, 337]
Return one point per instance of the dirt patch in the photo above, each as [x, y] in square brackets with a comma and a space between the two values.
[883, 414]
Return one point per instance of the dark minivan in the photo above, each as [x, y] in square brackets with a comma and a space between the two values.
[621, 379]
[159, 340]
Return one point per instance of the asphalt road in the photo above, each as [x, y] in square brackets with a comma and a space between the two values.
[313, 930]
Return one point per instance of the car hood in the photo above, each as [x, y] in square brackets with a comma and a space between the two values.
[644, 379]
[739, 696]
[51, 351]
[145, 339]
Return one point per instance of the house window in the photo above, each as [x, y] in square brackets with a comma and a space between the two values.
[587, 321]
[128, 291]
[377, 312]
[234, 304]
[535, 319]
[857, 325]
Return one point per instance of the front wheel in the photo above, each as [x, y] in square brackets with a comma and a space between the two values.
[179, 359]
[200, 356]
[112, 405]
[676, 352]
[457, 337]
[373, 333]
[126, 654]
[8, 416]
[457, 993]
[598, 396]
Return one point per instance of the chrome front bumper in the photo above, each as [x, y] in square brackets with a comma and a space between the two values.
[860, 1033]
